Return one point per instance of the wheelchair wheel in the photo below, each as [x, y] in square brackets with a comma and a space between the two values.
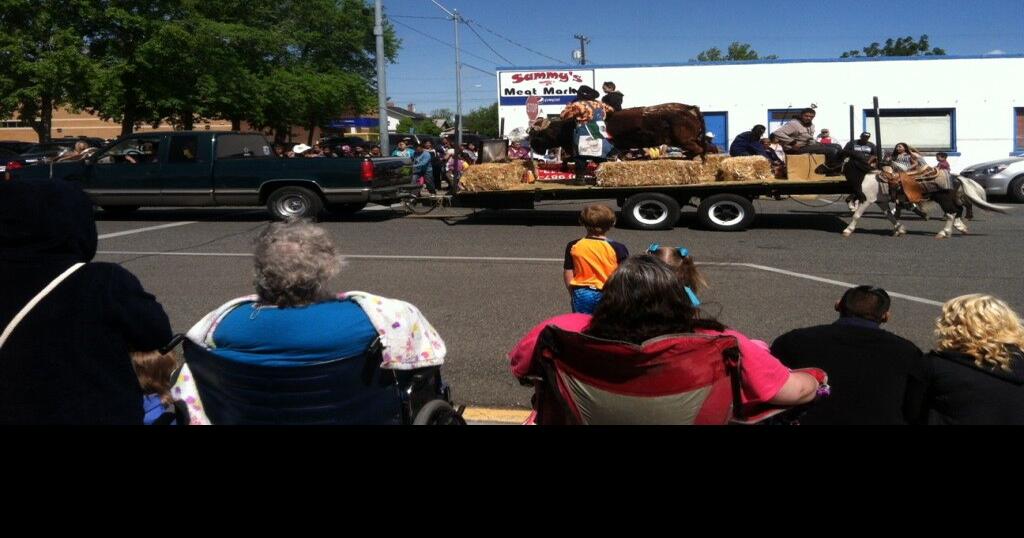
[438, 413]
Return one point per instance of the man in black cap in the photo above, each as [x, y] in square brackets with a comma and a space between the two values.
[861, 145]
[612, 97]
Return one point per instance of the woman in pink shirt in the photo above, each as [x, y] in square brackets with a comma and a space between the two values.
[645, 299]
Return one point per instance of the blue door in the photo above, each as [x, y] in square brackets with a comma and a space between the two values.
[718, 123]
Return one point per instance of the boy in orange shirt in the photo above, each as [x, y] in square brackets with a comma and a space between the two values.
[591, 260]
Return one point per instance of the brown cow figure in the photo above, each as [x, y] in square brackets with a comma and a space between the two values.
[674, 124]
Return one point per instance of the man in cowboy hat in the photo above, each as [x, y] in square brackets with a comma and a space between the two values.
[589, 114]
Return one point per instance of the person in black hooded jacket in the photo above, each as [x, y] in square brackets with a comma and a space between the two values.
[976, 373]
[67, 362]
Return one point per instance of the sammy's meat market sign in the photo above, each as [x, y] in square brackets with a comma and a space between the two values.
[516, 88]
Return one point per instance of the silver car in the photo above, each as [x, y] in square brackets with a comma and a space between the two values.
[1005, 176]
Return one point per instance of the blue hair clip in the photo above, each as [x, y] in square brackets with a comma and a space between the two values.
[693, 296]
[653, 249]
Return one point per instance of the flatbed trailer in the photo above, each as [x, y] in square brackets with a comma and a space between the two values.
[723, 205]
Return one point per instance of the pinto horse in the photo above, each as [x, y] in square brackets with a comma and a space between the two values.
[859, 170]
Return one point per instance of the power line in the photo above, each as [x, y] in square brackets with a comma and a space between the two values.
[520, 45]
[417, 17]
[486, 44]
[464, 64]
[428, 36]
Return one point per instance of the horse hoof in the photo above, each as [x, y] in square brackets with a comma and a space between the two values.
[941, 235]
[847, 233]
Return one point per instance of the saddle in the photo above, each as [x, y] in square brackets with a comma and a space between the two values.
[916, 184]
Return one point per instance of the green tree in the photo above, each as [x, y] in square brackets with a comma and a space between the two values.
[446, 114]
[42, 64]
[123, 88]
[901, 46]
[483, 120]
[736, 52]
[427, 127]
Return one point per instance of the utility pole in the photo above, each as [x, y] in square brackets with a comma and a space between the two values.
[457, 19]
[584, 41]
[382, 90]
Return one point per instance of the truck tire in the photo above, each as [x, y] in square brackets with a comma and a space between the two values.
[1016, 190]
[650, 211]
[346, 209]
[291, 202]
[119, 210]
[726, 212]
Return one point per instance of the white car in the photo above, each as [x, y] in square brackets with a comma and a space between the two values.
[1002, 177]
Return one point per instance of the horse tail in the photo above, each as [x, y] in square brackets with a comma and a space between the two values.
[976, 194]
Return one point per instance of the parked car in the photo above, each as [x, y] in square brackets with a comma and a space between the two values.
[204, 168]
[6, 156]
[15, 145]
[1002, 177]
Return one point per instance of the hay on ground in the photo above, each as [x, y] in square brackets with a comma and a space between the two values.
[495, 177]
[751, 168]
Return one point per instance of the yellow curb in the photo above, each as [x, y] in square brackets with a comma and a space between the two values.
[504, 416]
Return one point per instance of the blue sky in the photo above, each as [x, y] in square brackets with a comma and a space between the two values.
[664, 31]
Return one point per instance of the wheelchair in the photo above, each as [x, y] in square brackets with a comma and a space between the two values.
[347, 391]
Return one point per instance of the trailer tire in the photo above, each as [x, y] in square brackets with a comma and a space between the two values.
[726, 212]
[291, 202]
[650, 211]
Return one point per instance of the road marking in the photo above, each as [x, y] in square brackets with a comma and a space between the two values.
[147, 229]
[754, 266]
[835, 282]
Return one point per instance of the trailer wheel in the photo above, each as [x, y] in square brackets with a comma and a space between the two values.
[726, 212]
[650, 211]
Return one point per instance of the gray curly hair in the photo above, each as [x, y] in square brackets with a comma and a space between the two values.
[293, 263]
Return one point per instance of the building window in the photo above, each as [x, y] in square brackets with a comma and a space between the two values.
[781, 116]
[1018, 129]
[926, 129]
[13, 124]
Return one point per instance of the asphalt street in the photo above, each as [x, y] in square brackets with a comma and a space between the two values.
[484, 278]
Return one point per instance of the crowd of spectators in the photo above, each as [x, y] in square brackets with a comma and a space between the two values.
[84, 343]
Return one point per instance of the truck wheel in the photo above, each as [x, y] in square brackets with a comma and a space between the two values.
[650, 211]
[726, 212]
[1016, 190]
[294, 203]
[119, 210]
[346, 209]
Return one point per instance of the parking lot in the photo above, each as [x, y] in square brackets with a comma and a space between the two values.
[484, 278]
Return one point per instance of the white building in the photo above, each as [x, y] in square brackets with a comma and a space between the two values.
[969, 107]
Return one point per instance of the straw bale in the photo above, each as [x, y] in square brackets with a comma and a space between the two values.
[495, 176]
[750, 168]
[655, 172]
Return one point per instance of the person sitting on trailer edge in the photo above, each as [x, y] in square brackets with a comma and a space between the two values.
[797, 137]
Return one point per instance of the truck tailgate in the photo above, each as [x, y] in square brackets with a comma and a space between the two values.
[391, 172]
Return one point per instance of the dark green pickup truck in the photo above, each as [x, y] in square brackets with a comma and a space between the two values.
[203, 168]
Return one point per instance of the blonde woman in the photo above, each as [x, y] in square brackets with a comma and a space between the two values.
[976, 373]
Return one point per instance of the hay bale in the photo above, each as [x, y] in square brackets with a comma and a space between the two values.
[654, 172]
[750, 168]
[495, 176]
